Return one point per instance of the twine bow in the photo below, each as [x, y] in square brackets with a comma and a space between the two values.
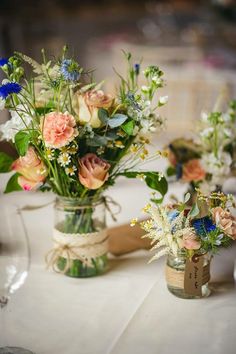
[55, 253]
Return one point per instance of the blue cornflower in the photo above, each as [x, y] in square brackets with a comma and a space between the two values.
[137, 69]
[9, 88]
[70, 70]
[203, 226]
[3, 61]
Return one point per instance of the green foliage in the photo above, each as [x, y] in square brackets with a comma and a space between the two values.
[152, 180]
[113, 122]
[117, 120]
[171, 171]
[22, 140]
[128, 127]
[5, 162]
[194, 210]
[12, 184]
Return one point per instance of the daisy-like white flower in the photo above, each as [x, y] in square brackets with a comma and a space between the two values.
[64, 159]
[50, 154]
[70, 170]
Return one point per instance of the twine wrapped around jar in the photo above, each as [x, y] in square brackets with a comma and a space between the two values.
[176, 277]
[83, 247]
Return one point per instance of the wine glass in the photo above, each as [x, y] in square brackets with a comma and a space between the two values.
[14, 263]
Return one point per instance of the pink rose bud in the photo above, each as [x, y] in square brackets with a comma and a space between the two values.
[87, 105]
[58, 129]
[32, 169]
[93, 171]
[193, 171]
[190, 241]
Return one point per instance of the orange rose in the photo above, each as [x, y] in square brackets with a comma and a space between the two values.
[93, 171]
[193, 171]
[225, 221]
[32, 170]
[86, 106]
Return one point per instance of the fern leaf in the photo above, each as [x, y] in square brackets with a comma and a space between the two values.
[36, 66]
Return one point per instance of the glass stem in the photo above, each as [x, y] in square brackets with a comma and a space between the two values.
[3, 307]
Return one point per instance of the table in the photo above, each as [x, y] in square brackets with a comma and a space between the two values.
[128, 310]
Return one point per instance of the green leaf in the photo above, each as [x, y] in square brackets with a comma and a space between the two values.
[117, 120]
[128, 127]
[22, 142]
[97, 141]
[194, 211]
[103, 115]
[152, 180]
[12, 184]
[5, 162]
[171, 171]
[187, 197]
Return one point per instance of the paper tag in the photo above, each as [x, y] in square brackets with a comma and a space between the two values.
[193, 275]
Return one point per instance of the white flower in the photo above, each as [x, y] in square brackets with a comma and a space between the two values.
[70, 170]
[64, 159]
[218, 167]
[207, 133]
[156, 80]
[163, 100]
[2, 103]
[145, 89]
[17, 122]
[204, 117]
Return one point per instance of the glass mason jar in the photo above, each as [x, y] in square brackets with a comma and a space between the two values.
[80, 239]
[175, 276]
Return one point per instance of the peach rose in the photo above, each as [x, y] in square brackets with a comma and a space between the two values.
[93, 171]
[58, 129]
[193, 171]
[225, 221]
[87, 105]
[32, 169]
[190, 241]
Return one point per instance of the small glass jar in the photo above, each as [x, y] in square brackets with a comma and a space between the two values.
[175, 275]
[80, 239]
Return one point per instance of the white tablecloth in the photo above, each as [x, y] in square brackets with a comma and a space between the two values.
[128, 310]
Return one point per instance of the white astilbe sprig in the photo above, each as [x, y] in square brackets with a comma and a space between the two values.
[165, 232]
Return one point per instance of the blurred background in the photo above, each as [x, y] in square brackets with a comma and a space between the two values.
[193, 41]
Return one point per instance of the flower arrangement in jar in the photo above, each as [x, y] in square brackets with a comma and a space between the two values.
[76, 140]
[209, 159]
[190, 237]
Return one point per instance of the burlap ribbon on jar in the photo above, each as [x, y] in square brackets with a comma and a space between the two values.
[177, 278]
[83, 247]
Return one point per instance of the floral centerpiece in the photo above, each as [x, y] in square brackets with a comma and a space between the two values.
[190, 237]
[209, 159]
[75, 140]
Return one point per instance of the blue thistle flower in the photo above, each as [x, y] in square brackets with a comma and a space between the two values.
[9, 88]
[3, 61]
[179, 170]
[70, 70]
[137, 69]
[203, 226]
